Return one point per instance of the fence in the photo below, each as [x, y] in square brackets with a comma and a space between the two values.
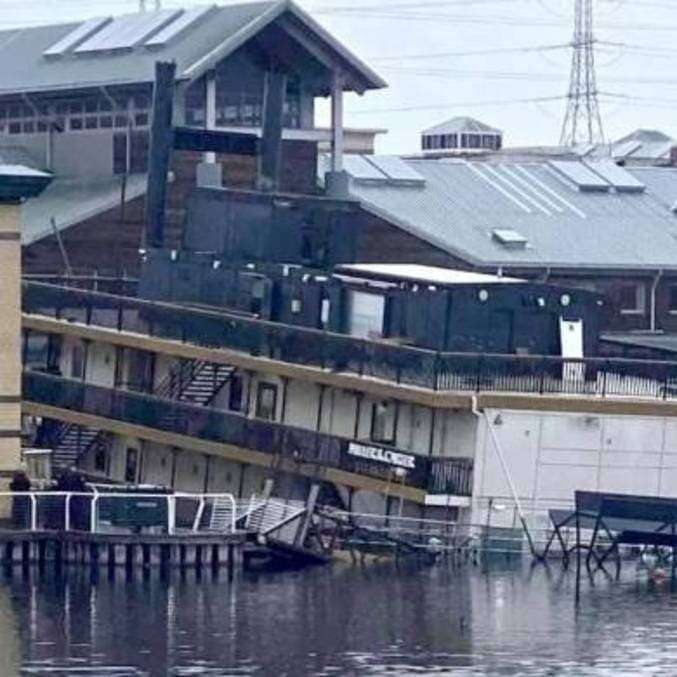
[297, 444]
[107, 512]
[470, 372]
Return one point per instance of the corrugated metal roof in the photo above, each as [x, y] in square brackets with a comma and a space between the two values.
[24, 68]
[462, 203]
[70, 201]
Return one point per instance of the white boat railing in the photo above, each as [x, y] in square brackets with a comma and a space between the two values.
[60, 510]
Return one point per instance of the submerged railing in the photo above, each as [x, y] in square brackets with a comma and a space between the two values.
[433, 474]
[443, 371]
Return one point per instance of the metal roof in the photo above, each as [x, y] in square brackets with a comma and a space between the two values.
[426, 274]
[665, 342]
[460, 125]
[70, 201]
[460, 204]
[24, 67]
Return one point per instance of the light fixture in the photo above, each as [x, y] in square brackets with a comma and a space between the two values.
[483, 295]
[173, 255]
[565, 300]
[540, 301]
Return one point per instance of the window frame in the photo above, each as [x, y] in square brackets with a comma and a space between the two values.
[640, 299]
[672, 288]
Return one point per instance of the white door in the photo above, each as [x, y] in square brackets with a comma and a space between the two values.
[365, 314]
[571, 340]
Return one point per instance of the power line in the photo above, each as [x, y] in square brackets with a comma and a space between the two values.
[459, 104]
[472, 52]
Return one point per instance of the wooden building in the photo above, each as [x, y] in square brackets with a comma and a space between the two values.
[75, 99]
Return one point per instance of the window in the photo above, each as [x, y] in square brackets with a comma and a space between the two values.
[78, 362]
[235, 393]
[131, 465]
[632, 299]
[383, 422]
[266, 401]
[672, 298]
[101, 459]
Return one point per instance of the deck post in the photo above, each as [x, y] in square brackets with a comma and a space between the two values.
[231, 561]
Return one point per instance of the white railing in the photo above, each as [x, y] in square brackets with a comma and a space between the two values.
[60, 510]
[437, 536]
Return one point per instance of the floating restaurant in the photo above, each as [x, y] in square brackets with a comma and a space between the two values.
[434, 340]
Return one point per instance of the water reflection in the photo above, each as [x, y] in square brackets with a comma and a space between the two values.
[342, 621]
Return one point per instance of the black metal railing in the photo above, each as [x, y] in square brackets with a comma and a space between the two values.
[109, 284]
[468, 372]
[303, 446]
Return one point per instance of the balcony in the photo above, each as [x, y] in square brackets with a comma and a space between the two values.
[450, 476]
[436, 371]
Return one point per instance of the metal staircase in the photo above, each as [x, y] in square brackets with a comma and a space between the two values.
[273, 515]
[257, 516]
[195, 382]
[72, 443]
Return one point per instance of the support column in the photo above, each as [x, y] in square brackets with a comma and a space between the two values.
[274, 94]
[337, 124]
[336, 180]
[210, 110]
[10, 339]
[159, 153]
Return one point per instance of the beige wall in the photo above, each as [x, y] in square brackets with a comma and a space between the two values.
[10, 333]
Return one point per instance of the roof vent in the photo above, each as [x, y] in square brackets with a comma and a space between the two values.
[509, 238]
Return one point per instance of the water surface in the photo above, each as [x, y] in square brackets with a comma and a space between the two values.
[380, 620]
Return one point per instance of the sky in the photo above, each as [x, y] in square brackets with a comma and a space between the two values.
[505, 62]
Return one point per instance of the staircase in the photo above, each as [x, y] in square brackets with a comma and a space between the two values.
[72, 443]
[272, 515]
[195, 382]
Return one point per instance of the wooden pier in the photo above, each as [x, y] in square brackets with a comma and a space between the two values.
[122, 550]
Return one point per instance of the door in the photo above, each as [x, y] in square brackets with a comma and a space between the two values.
[365, 314]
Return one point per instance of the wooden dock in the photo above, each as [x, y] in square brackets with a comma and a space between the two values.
[130, 551]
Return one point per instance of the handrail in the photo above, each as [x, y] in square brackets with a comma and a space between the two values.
[95, 497]
[450, 371]
[299, 445]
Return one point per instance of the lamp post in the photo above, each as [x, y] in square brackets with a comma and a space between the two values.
[17, 183]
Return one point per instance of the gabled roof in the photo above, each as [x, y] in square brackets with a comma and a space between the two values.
[24, 67]
[460, 206]
[460, 125]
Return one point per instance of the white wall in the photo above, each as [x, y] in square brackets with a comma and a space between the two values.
[190, 472]
[157, 464]
[118, 455]
[302, 402]
[550, 455]
[101, 364]
[224, 476]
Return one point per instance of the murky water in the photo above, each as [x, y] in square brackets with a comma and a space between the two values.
[380, 620]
